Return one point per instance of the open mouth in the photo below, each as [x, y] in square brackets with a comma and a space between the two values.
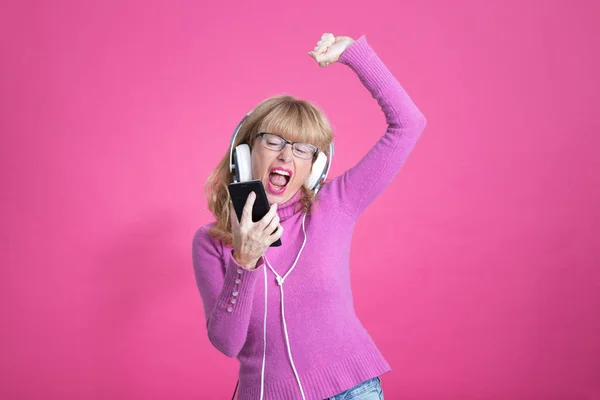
[278, 180]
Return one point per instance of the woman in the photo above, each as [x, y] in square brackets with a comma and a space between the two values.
[308, 344]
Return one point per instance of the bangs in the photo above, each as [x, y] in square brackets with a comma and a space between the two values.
[295, 123]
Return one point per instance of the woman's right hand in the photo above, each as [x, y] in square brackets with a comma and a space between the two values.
[252, 239]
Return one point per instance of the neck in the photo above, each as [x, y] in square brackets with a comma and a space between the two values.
[290, 207]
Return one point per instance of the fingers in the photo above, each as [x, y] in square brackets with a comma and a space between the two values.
[327, 39]
[320, 50]
[318, 57]
[247, 211]
[321, 59]
[277, 234]
[269, 216]
[233, 217]
[272, 224]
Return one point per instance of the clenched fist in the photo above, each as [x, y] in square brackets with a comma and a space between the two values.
[329, 49]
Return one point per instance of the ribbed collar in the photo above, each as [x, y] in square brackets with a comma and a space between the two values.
[290, 207]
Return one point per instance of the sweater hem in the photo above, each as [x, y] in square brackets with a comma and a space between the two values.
[321, 383]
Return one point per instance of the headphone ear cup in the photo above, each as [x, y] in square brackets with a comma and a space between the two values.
[317, 170]
[243, 162]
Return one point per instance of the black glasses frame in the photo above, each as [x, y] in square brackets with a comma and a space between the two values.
[285, 142]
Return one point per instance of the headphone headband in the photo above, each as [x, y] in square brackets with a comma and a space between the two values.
[239, 126]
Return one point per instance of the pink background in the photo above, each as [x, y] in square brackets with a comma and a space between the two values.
[476, 272]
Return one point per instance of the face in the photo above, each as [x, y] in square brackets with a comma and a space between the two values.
[265, 160]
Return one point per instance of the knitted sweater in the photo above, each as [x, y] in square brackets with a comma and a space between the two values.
[321, 349]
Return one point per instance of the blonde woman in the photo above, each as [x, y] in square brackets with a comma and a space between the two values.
[286, 313]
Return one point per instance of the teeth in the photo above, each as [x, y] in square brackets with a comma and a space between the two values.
[280, 172]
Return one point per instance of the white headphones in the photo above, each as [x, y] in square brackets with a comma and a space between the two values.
[240, 163]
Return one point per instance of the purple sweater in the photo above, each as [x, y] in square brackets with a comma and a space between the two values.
[330, 348]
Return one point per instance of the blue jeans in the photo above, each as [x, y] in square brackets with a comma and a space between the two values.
[368, 390]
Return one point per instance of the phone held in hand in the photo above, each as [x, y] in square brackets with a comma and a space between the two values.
[239, 193]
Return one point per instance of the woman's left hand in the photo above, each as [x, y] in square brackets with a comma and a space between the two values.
[329, 49]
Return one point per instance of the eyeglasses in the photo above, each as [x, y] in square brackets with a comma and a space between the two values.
[275, 142]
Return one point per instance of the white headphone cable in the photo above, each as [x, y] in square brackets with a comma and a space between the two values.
[280, 281]
[262, 374]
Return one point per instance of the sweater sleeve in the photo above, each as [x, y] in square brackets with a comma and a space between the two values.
[227, 292]
[357, 187]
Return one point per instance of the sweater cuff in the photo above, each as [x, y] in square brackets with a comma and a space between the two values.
[361, 57]
[238, 287]
[358, 48]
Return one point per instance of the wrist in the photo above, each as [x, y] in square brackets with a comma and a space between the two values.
[248, 264]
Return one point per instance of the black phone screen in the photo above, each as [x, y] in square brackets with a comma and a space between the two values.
[239, 192]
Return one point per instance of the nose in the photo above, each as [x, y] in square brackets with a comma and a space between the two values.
[286, 153]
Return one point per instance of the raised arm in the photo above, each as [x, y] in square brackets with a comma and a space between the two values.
[227, 291]
[357, 187]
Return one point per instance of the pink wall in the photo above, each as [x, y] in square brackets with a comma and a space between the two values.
[487, 281]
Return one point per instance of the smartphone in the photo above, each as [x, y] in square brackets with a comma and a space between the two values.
[239, 192]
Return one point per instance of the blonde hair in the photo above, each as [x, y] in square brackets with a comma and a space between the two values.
[297, 120]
